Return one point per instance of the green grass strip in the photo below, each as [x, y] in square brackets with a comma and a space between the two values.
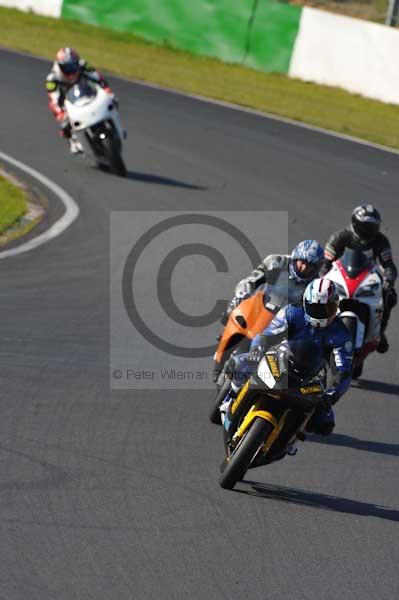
[126, 55]
[12, 204]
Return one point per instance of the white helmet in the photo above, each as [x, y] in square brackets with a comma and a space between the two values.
[320, 302]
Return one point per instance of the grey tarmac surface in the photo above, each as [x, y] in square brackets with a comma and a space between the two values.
[115, 494]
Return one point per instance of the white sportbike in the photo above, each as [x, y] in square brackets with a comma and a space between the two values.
[95, 123]
[361, 304]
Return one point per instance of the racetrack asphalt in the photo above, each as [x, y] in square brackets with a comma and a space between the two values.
[114, 494]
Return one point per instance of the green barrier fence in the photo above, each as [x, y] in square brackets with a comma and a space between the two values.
[257, 33]
[273, 35]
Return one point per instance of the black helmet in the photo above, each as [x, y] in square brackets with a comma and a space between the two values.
[366, 222]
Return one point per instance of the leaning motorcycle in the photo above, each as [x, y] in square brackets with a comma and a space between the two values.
[95, 125]
[245, 321]
[268, 415]
[361, 303]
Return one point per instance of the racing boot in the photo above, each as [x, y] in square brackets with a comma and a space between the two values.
[322, 422]
[231, 396]
[383, 345]
[74, 146]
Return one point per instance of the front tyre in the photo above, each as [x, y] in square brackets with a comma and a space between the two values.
[112, 150]
[244, 453]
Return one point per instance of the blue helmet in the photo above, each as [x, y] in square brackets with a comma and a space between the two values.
[310, 252]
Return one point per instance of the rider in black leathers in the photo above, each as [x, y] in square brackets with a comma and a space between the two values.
[364, 234]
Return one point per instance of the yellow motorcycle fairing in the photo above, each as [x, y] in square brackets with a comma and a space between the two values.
[240, 396]
[249, 418]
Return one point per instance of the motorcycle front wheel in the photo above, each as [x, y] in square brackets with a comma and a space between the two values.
[245, 452]
[113, 154]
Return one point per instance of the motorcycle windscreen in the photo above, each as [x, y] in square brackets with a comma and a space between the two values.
[355, 262]
[292, 364]
[81, 93]
[257, 312]
[304, 361]
[283, 291]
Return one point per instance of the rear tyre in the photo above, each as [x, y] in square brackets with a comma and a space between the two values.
[112, 151]
[244, 453]
[214, 414]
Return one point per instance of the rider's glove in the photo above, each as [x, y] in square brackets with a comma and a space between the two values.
[244, 289]
[325, 267]
[60, 114]
[229, 368]
[234, 302]
[387, 284]
[390, 295]
[65, 128]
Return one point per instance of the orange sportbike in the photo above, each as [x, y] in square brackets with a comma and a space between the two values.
[245, 321]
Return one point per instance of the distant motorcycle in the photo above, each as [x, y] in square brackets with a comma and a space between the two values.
[96, 127]
[361, 302]
[269, 414]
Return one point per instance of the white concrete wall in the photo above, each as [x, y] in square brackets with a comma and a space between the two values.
[51, 8]
[330, 49]
[357, 55]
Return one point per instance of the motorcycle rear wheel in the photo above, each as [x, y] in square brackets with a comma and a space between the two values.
[244, 453]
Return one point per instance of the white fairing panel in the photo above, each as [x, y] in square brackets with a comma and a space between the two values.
[265, 375]
[368, 292]
[356, 55]
[51, 8]
[87, 112]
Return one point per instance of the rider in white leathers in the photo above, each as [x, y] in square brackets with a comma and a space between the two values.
[67, 70]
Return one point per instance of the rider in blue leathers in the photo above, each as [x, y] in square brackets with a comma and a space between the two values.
[315, 321]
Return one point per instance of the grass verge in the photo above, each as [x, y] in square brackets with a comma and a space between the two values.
[13, 204]
[124, 54]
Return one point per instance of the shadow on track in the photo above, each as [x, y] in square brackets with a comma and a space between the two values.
[339, 439]
[377, 386]
[159, 180]
[319, 501]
